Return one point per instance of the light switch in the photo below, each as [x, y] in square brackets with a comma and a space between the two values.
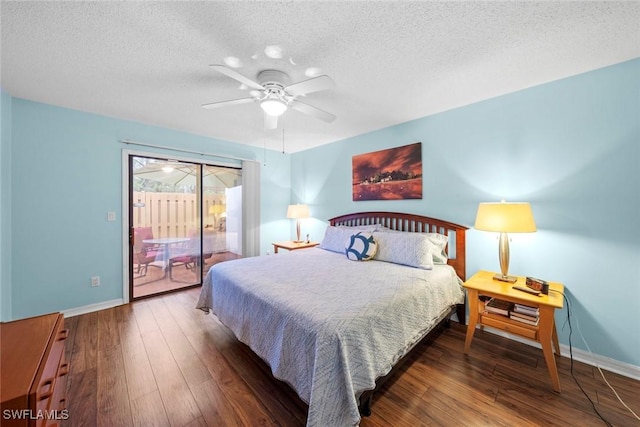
[111, 216]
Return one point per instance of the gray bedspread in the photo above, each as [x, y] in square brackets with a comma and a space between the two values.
[328, 326]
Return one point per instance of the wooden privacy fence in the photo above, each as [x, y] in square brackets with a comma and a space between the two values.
[171, 214]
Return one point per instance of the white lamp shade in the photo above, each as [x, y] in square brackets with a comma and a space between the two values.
[505, 217]
[298, 211]
[273, 107]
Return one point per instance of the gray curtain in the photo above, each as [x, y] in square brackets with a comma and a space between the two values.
[250, 208]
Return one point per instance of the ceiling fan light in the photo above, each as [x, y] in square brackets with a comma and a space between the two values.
[273, 107]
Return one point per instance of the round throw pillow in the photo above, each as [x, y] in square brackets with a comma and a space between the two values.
[361, 247]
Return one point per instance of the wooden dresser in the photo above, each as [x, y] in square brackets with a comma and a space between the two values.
[33, 371]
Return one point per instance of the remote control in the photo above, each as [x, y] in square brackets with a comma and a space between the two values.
[527, 290]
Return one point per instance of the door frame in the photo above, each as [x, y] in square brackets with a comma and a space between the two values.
[126, 297]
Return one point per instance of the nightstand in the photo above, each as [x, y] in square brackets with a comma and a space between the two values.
[290, 245]
[544, 332]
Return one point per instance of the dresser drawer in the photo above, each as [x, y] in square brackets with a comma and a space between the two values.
[51, 365]
[59, 398]
[34, 371]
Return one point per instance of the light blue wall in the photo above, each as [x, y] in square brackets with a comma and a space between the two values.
[5, 206]
[66, 175]
[570, 147]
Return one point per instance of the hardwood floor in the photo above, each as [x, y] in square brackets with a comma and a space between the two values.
[159, 361]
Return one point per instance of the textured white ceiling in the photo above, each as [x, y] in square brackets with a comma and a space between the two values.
[391, 61]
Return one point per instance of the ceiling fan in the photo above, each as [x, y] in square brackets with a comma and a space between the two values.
[275, 94]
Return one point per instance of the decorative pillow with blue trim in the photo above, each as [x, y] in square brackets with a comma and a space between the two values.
[361, 247]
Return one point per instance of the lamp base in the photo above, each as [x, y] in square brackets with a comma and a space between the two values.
[509, 279]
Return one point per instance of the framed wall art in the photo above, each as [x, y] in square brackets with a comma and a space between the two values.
[391, 174]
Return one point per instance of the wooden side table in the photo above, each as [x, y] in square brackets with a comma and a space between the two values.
[290, 245]
[544, 332]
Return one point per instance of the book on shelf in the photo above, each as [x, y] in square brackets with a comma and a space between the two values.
[498, 306]
[526, 309]
[524, 318]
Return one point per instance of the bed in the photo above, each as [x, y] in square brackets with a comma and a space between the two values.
[335, 328]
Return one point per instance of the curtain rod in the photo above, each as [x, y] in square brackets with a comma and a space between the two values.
[144, 144]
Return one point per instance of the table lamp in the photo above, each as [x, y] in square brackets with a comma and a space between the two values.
[505, 218]
[215, 210]
[298, 212]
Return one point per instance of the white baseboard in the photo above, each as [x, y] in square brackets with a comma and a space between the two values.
[606, 363]
[92, 307]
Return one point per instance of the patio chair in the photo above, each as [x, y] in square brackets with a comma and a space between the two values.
[144, 254]
[189, 255]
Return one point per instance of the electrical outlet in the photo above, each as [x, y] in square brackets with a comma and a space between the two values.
[95, 281]
[111, 216]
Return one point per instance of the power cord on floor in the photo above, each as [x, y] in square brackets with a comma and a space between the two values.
[602, 373]
[593, 405]
[600, 370]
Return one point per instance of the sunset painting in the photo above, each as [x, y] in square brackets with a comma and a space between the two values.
[392, 174]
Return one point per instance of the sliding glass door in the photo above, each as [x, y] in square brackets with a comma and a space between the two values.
[183, 218]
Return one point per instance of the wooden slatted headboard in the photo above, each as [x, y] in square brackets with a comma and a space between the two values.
[415, 224]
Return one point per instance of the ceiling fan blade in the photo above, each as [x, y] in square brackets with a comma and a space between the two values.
[227, 103]
[312, 85]
[270, 122]
[312, 111]
[237, 76]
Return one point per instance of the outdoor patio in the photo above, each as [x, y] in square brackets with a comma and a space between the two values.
[155, 281]
[183, 215]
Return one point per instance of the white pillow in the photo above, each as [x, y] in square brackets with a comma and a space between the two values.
[439, 247]
[369, 228]
[360, 247]
[412, 249]
[334, 238]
